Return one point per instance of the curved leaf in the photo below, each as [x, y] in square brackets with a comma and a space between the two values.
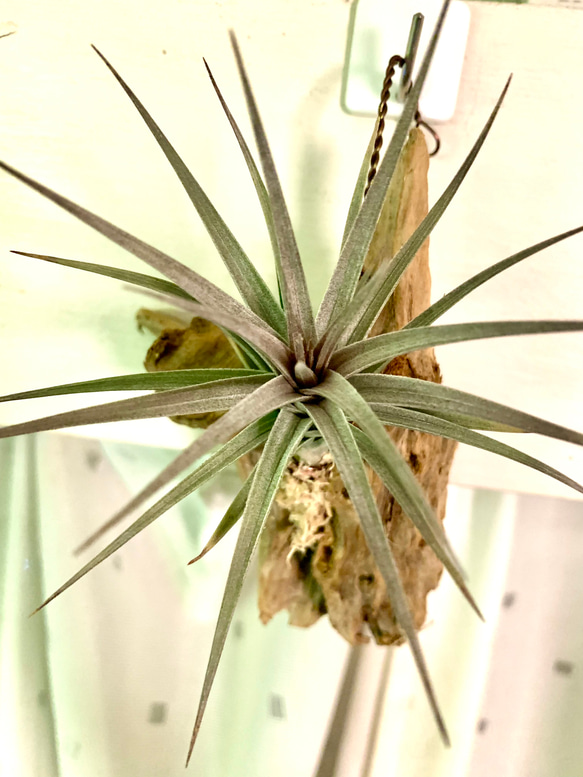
[200, 476]
[453, 404]
[384, 283]
[159, 285]
[251, 285]
[136, 278]
[354, 323]
[244, 442]
[392, 475]
[272, 396]
[453, 297]
[229, 519]
[338, 434]
[268, 398]
[360, 186]
[393, 469]
[382, 348]
[262, 194]
[285, 436]
[264, 340]
[148, 381]
[298, 309]
[411, 419]
[189, 280]
[207, 397]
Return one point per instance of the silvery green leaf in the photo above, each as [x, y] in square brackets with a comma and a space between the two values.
[266, 341]
[453, 297]
[229, 519]
[285, 436]
[386, 279]
[355, 320]
[412, 419]
[382, 348]
[158, 285]
[148, 381]
[248, 356]
[384, 457]
[469, 421]
[256, 407]
[245, 441]
[223, 457]
[272, 396]
[136, 278]
[204, 398]
[399, 486]
[262, 193]
[359, 187]
[337, 432]
[251, 285]
[453, 404]
[404, 485]
[300, 319]
[190, 281]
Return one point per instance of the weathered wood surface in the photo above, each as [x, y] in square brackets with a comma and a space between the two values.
[335, 573]
[181, 345]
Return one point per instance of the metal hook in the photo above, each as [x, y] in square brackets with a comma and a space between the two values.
[410, 55]
[420, 122]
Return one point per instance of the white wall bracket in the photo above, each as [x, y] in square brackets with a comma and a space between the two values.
[380, 30]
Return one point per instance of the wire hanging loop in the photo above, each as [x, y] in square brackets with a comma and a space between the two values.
[394, 62]
[406, 64]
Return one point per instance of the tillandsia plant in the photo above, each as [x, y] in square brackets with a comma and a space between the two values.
[304, 384]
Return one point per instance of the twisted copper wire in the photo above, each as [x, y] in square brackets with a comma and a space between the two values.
[396, 61]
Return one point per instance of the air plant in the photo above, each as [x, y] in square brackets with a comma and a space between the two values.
[305, 382]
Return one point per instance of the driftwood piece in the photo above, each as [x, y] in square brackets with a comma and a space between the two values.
[183, 345]
[313, 556]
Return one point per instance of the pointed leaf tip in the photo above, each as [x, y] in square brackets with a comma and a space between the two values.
[290, 272]
[286, 434]
[335, 429]
[249, 282]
